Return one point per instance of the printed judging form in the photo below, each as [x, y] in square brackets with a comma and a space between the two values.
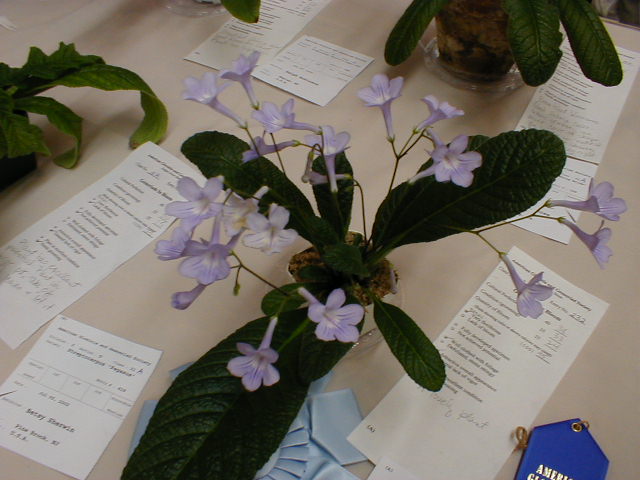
[70, 394]
[65, 254]
[501, 369]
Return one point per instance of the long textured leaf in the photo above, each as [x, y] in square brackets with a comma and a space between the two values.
[518, 169]
[534, 36]
[283, 299]
[61, 117]
[336, 210]
[409, 29]
[217, 153]
[207, 427]
[107, 77]
[20, 137]
[346, 259]
[245, 10]
[415, 352]
[590, 42]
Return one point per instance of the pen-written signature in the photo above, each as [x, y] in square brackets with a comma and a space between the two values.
[447, 403]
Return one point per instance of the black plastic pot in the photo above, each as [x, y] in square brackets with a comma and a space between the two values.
[12, 169]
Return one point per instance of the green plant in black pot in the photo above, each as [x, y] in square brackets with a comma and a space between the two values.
[526, 31]
[21, 91]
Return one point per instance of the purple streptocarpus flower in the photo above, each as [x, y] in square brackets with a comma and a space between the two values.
[201, 201]
[600, 200]
[274, 119]
[596, 242]
[206, 91]
[236, 210]
[255, 367]
[381, 93]
[207, 261]
[315, 178]
[174, 248]
[335, 320]
[439, 111]
[261, 148]
[240, 71]
[269, 234]
[529, 294]
[331, 144]
[182, 300]
[451, 163]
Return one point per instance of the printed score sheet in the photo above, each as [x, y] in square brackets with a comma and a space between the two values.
[501, 369]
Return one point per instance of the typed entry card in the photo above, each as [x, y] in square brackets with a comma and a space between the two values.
[501, 369]
[69, 395]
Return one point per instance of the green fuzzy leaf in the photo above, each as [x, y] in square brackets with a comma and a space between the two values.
[207, 426]
[217, 153]
[107, 77]
[407, 32]
[518, 170]
[245, 10]
[315, 274]
[283, 299]
[415, 352]
[535, 38]
[20, 137]
[60, 117]
[63, 60]
[346, 259]
[590, 42]
[335, 209]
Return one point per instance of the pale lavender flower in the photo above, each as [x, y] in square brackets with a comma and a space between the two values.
[335, 320]
[201, 201]
[599, 200]
[174, 248]
[182, 300]
[269, 234]
[261, 148]
[236, 210]
[331, 144]
[207, 260]
[451, 163]
[529, 294]
[206, 91]
[240, 71]
[315, 178]
[596, 242]
[255, 367]
[439, 111]
[274, 119]
[381, 93]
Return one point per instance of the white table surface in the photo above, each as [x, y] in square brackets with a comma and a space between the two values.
[603, 385]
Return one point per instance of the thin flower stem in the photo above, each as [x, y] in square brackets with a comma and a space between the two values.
[298, 331]
[364, 216]
[513, 220]
[255, 274]
[273, 139]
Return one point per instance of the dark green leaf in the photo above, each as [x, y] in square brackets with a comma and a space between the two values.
[283, 299]
[20, 137]
[107, 77]
[415, 352]
[336, 209]
[217, 153]
[346, 259]
[590, 42]
[315, 274]
[407, 32]
[207, 427]
[534, 36]
[319, 357]
[60, 117]
[245, 10]
[518, 170]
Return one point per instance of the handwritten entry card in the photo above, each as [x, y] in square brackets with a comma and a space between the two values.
[501, 369]
[582, 113]
[70, 394]
[58, 259]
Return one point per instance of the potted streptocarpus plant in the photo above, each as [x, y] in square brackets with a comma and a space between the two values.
[224, 415]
